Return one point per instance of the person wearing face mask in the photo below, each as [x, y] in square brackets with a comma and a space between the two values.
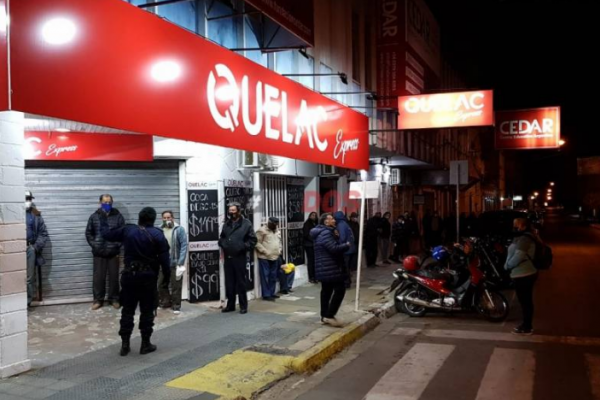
[268, 250]
[170, 293]
[37, 236]
[519, 261]
[106, 253]
[236, 240]
[309, 246]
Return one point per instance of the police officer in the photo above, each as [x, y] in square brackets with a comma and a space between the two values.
[146, 250]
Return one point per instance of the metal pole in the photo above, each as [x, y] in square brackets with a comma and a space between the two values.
[458, 204]
[360, 241]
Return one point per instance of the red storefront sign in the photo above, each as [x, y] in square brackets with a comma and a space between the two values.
[3, 57]
[111, 64]
[446, 110]
[71, 146]
[295, 16]
[528, 129]
[408, 50]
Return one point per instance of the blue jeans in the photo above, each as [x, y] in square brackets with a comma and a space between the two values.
[268, 276]
[286, 281]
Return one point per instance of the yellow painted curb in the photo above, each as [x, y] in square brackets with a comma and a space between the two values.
[315, 357]
[241, 373]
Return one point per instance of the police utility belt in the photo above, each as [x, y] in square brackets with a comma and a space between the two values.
[138, 266]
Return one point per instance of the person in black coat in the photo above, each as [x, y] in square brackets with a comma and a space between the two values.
[237, 239]
[329, 268]
[309, 246]
[106, 253]
[372, 231]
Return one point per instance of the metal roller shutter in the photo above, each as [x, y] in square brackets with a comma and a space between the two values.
[67, 194]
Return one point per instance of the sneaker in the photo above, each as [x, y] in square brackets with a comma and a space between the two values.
[116, 305]
[226, 310]
[284, 292]
[332, 322]
[519, 330]
[269, 298]
[275, 297]
[176, 311]
[96, 306]
[290, 290]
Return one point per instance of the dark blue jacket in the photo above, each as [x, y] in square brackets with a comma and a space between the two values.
[38, 236]
[329, 255]
[143, 244]
[346, 234]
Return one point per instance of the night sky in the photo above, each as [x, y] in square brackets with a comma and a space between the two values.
[533, 54]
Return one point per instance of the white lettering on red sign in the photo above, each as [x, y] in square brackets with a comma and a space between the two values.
[466, 103]
[51, 150]
[524, 127]
[271, 104]
[390, 19]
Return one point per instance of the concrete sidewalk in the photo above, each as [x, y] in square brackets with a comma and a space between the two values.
[202, 354]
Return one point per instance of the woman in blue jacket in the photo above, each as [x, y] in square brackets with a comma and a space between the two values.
[329, 268]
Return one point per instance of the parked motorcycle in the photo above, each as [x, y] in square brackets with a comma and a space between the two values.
[467, 289]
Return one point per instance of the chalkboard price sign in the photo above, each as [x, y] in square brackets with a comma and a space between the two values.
[203, 215]
[204, 276]
[295, 202]
[296, 246]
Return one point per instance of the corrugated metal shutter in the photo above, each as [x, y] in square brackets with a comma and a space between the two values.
[67, 194]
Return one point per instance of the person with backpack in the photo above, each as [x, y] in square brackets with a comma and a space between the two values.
[520, 263]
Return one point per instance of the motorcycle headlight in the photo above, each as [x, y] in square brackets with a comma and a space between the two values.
[395, 275]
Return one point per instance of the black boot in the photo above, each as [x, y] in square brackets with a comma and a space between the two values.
[147, 347]
[125, 348]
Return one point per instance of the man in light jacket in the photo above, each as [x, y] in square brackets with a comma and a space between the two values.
[268, 250]
[170, 293]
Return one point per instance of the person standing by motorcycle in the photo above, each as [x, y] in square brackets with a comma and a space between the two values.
[309, 246]
[519, 262]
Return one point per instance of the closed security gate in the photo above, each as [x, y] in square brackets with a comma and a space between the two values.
[67, 194]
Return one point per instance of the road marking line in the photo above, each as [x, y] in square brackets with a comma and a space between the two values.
[409, 377]
[509, 374]
[498, 336]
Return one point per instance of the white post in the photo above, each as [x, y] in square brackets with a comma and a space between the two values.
[360, 240]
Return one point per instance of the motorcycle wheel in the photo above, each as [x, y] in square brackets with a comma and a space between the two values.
[412, 309]
[492, 305]
[397, 303]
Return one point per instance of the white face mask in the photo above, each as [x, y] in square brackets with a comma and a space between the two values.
[28, 204]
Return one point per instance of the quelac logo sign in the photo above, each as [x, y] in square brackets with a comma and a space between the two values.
[528, 129]
[170, 83]
[446, 110]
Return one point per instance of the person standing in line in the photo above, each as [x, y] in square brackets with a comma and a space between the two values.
[268, 251]
[346, 236]
[106, 253]
[236, 240]
[37, 236]
[386, 233]
[372, 231]
[329, 268]
[170, 294]
[309, 247]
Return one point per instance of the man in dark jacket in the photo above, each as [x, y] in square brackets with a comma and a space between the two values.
[346, 236]
[401, 237]
[106, 254]
[372, 231]
[329, 268]
[355, 226]
[384, 236]
[309, 246]
[146, 250]
[37, 236]
[237, 239]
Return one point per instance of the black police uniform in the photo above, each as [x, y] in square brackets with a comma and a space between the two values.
[146, 250]
[237, 239]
